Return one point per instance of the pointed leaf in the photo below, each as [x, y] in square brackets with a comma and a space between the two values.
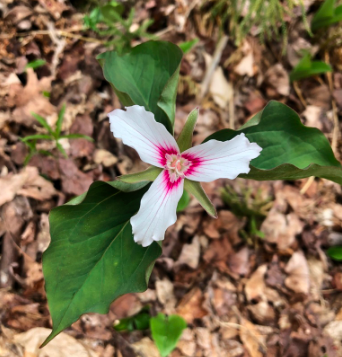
[148, 175]
[290, 149]
[147, 76]
[37, 137]
[92, 258]
[183, 202]
[76, 136]
[184, 140]
[42, 121]
[197, 191]
[60, 121]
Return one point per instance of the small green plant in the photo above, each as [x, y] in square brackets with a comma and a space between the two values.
[335, 253]
[187, 46]
[139, 321]
[52, 135]
[307, 68]
[328, 14]
[238, 17]
[35, 64]
[254, 207]
[108, 20]
[166, 331]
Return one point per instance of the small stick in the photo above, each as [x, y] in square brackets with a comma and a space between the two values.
[335, 133]
[210, 70]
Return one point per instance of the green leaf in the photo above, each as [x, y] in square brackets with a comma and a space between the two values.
[35, 64]
[146, 76]
[187, 46]
[335, 253]
[183, 202]
[76, 136]
[112, 11]
[61, 149]
[60, 121]
[139, 321]
[290, 149]
[148, 175]
[42, 121]
[37, 137]
[307, 68]
[197, 191]
[184, 140]
[92, 258]
[326, 15]
[166, 331]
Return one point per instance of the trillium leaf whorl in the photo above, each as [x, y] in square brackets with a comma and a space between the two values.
[156, 146]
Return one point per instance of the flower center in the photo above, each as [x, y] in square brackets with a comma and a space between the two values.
[176, 165]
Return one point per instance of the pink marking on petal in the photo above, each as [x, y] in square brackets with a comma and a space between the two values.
[170, 185]
[163, 151]
[195, 163]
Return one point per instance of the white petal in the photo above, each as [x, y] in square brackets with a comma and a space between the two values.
[221, 159]
[157, 210]
[137, 128]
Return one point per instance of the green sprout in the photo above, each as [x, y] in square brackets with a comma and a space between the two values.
[52, 135]
[108, 20]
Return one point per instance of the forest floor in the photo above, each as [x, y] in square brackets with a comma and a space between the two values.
[254, 282]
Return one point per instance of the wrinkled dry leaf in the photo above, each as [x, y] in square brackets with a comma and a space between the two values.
[61, 346]
[27, 183]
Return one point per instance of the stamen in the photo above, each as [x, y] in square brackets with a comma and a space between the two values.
[176, 165]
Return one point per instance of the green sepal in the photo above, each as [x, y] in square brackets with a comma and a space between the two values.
[197, 191]
[184, 140]
[148, 175]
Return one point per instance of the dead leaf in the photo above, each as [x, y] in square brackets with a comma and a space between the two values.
[190, 254]
[104, 158]
[281, 229]
[61, 346]
[146, 348]
[30, 99]
[277, 80]
[191, 306]
[165, 294]
[297, 268]
[27, 183]
[246, 65]
[251, 339]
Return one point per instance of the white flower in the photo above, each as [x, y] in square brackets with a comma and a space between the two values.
[156, 146]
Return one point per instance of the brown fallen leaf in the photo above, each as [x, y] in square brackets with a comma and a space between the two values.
[105, 158]
[146, 348]
[30, 99]
[277, 81]
[298, 279]
[281, 229]
[191, 306]
[252, 339]
[26, 183]
[190, 254]
[61, 346]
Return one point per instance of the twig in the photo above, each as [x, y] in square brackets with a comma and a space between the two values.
[335, 133]
[299, 93]
[307, 184]
[210, 70]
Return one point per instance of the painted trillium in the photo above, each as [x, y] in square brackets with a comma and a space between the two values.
[156, 146]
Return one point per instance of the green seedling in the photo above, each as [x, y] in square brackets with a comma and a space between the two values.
[166, 332]
[109, 21]
[35, 64]
[187, 46]
[52, 135]
[307, 68]
[139, 321]
[254, 208]
[327, 15]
